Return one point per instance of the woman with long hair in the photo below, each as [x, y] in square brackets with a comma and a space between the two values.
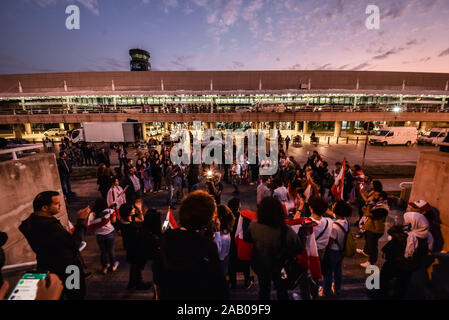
[101, 221]
[268, 234]
[104, 179]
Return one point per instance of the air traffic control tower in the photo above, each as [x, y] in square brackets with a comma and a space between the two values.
[139, 60]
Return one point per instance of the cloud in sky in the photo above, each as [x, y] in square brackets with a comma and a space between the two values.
[92, 5]
[444, 53]
[215, 34]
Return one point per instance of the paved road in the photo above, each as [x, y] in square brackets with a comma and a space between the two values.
[375, 155]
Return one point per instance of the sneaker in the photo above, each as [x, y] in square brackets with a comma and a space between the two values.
[365, 264]
[361, 252]
[115, 266]
[320, 292]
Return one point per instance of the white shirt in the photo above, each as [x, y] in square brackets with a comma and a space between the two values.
[322, 242]
[236, 169]
[223, 242]
[262, 192]
[135, 181]
[281, 193]
[114, 196]
[104, 230]
[338, 234]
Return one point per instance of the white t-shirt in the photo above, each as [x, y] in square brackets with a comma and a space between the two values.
[262, 192]
[281, 193]
[323, 223]
[223, 242]
[135, 181]
[338, 234]
[116, 194]
[104, 230]
[236, 169]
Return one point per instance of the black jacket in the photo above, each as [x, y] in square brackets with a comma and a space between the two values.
[103, 157]
[64, 171]
[133, 241]
[54, 246]
[188, 267]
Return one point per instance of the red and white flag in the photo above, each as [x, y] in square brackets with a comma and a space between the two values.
[244, 249]
[171, 221]
[337, 188]
[71, 228]
[309, 258]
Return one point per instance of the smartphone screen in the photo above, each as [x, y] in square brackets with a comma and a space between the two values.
[26, 288]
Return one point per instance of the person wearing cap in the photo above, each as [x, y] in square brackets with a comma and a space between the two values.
[423, 207]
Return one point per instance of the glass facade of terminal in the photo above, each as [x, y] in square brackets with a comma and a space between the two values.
[177, 103]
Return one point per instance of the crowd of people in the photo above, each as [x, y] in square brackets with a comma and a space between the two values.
[300, 222]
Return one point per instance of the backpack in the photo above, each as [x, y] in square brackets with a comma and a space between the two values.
[350, 245]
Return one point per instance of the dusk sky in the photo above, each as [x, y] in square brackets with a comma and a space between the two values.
[225, 35]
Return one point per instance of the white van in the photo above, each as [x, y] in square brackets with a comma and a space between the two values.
[395, 135]
[434, 136]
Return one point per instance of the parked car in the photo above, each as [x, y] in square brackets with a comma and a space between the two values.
[434, 136]
[55, 132]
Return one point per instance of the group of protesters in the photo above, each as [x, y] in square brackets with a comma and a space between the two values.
[301, 222]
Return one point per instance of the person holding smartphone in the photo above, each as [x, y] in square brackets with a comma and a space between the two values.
[55, 247]
[49, 288]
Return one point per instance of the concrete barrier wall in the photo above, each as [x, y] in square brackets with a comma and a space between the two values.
[22, 180]
[431, 183]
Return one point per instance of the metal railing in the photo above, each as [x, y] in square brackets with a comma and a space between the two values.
[173, 109]
[14, 151]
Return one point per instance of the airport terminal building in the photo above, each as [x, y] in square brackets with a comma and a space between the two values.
[259, 99]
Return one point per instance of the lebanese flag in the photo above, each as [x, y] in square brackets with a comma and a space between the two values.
[309, 258]
[71, 228]
[100, 222]
[171, 221]
[244, 249]
[337, 188]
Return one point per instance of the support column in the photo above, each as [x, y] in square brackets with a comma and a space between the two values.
[61, 126]
[166, 125]
[296, 126]
[144, 130]
[211, 125]
[305, 127]
[28, 128]
[18, 131]
[71, 126]
[337, 129]
[351, 126]
[425, 126]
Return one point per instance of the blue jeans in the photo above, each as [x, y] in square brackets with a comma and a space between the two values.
[333, 260]
[65, 184]
[107, 248]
